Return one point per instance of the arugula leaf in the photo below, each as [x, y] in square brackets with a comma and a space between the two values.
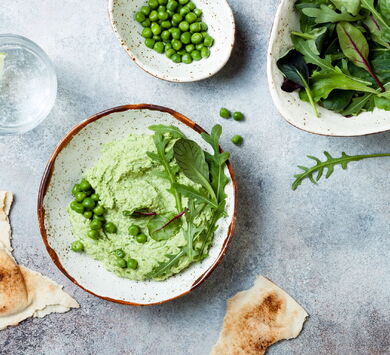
[294, 68]
[191, 193]
[382, 103]
[217, 162]
[191, 160]
[164, 267]
[173, 131]
[328, 165]
[352, 6]
[357, 105]
[355, 47]
[384, 8]
[326, 14]
[165, 157]
[164, 226]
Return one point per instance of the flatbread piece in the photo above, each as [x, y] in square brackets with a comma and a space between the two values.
[257, 318]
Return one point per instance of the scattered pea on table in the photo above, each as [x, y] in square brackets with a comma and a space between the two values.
[237, 140]
[225, 113]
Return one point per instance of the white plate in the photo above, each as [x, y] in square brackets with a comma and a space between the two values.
[217, 14]
[300, 113]
[77, 152]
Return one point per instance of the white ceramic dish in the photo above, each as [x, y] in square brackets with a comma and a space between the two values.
[217, 14]
[75, 153]
[300, 113]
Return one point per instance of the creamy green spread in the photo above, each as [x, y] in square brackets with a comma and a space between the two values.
[126, 179]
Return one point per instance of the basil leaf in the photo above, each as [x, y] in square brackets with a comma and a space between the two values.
[352, 6]
[355, 47]
[191, 160]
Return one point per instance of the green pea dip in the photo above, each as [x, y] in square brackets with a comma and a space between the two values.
[126, 179]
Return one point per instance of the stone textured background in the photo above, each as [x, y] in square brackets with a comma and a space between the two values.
[327, 245]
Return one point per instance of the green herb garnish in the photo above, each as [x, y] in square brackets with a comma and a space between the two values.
[315, 173]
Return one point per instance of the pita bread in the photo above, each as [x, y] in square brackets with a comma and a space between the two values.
[25, 293]
[257, 318]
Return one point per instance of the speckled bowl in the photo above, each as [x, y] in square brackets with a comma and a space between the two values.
[300, 113]
[75, 153]
[217, 14]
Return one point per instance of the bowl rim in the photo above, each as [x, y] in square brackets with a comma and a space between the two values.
[139, 62]
[27, 43]
[270, 57]
[46, 177]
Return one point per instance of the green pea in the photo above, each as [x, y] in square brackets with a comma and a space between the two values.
[139, 17]
[170, 12]
[238, 116]
[208, 41]
[159, 47]
[153, 4]
[195, 27]
[119, 253]
[191, 17]
[149, 42]
[146, 23]
[196, 38]
[95, 197]
[134, 230]
[80, 196]
[76, 188]
[146, 10]
[147, 33]
[153, 16]
[190, 48]
[199, 46]
[183, 2]
[85, 185]
[77, 207]
[162, 8]
[185, 38]
[163, 15]
[89, 204]
[198, 12]
[176, 33]
[166, 24]
[168, 46]
[89, 192]
[156, 29]
[172, 5]
[141, 238]
[184, 11]
[225, 113]
[176, 44]
[191, 5]
[93, 234]
[132, 264]
[205, 52]
[170, 52]
[99, 210]
[102, 219]
[95, 224]
[162, 2]
[186, 58]
[203, 26]
[120, 262]
[157, 38]
[181, 52]
[77, 246]
[196, 55]
[176, 58]
[88, 214]
[110, 228]
[184, 26]
[165, 35]
[237, 140]
[177, 18]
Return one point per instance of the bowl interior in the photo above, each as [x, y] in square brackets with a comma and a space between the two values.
[28, 86]
[217, 14]
[300, 113]
[80, 154]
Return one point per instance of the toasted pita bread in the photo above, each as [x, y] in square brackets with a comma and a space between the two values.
[257, 318]
[25, 293]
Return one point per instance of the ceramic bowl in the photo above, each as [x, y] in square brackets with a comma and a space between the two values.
[300, 113]
[217, 14]
[77, 152]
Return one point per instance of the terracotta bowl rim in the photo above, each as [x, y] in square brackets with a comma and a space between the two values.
[45, 181]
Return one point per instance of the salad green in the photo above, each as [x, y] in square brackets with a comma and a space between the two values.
[341, 56]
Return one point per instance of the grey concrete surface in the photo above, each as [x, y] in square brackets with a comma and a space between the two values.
[327, 245]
